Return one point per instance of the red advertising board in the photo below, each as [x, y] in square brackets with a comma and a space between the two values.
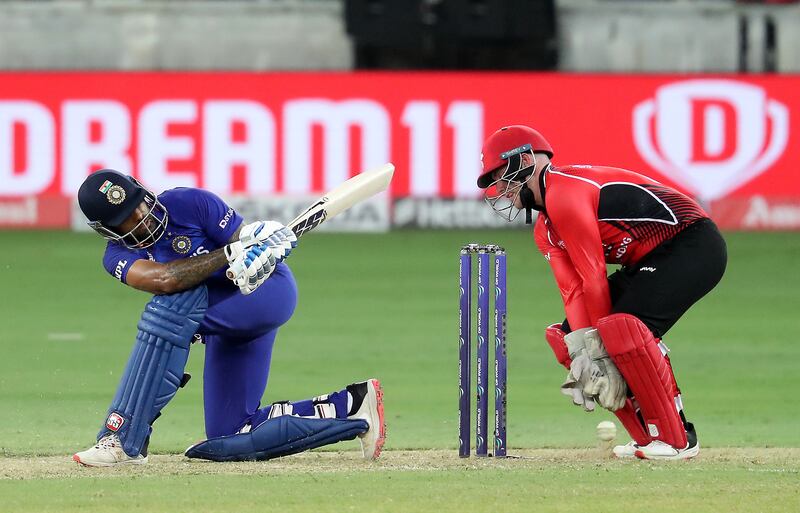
[35, 212]
[719, 138]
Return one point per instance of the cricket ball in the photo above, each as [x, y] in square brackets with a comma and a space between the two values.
[606, 431]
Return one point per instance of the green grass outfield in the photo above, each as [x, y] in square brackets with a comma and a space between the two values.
[385, 306]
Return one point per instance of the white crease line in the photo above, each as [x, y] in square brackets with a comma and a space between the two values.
[65, 337]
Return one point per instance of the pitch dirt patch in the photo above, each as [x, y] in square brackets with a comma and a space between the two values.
[60, 467]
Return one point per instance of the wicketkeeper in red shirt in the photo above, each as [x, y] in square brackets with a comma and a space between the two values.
[671, 255]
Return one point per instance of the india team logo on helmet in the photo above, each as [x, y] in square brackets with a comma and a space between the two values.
[120, 196]
[114, 193]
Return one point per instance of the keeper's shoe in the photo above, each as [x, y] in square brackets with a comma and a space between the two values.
[368, 405]
[658, 450]
[626, 451]
[107, 453]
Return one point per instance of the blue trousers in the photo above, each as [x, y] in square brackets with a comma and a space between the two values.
[239, 332]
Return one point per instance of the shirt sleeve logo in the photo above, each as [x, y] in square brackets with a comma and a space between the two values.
[120, 267]
[182, 244]
[224, 221]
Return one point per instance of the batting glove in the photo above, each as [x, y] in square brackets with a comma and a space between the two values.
[249, 268]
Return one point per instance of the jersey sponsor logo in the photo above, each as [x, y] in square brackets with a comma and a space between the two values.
[623, 247]
[224, 221]
[648, 269]
[201, 250]
[711, 135]
[120, 267]
[115, 421]
[181, 244]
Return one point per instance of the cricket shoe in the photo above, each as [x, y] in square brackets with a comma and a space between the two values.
[658, 450]
[368, 405]
[626, 451]
[107, 453]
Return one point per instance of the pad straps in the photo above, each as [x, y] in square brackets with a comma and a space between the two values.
[555, 337]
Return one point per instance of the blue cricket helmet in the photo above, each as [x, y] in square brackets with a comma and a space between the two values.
[107, 198]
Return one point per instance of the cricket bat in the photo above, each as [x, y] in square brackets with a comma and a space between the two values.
[344, 196]
[339, 199]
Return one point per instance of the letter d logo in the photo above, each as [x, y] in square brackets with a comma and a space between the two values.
[710, 135]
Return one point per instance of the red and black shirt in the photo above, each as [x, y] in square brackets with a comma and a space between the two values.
[596, 215]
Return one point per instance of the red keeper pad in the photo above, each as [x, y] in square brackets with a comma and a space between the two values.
[555, 337]
[634, 350]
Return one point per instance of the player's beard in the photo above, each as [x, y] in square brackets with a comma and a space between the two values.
[150, 229]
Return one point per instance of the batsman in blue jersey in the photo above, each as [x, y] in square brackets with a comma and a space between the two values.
[223, 282]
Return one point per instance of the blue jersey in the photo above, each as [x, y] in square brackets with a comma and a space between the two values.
[199, 222]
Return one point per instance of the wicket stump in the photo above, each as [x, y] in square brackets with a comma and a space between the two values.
[482, 350]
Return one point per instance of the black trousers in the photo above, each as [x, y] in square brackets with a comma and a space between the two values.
[661, 287]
